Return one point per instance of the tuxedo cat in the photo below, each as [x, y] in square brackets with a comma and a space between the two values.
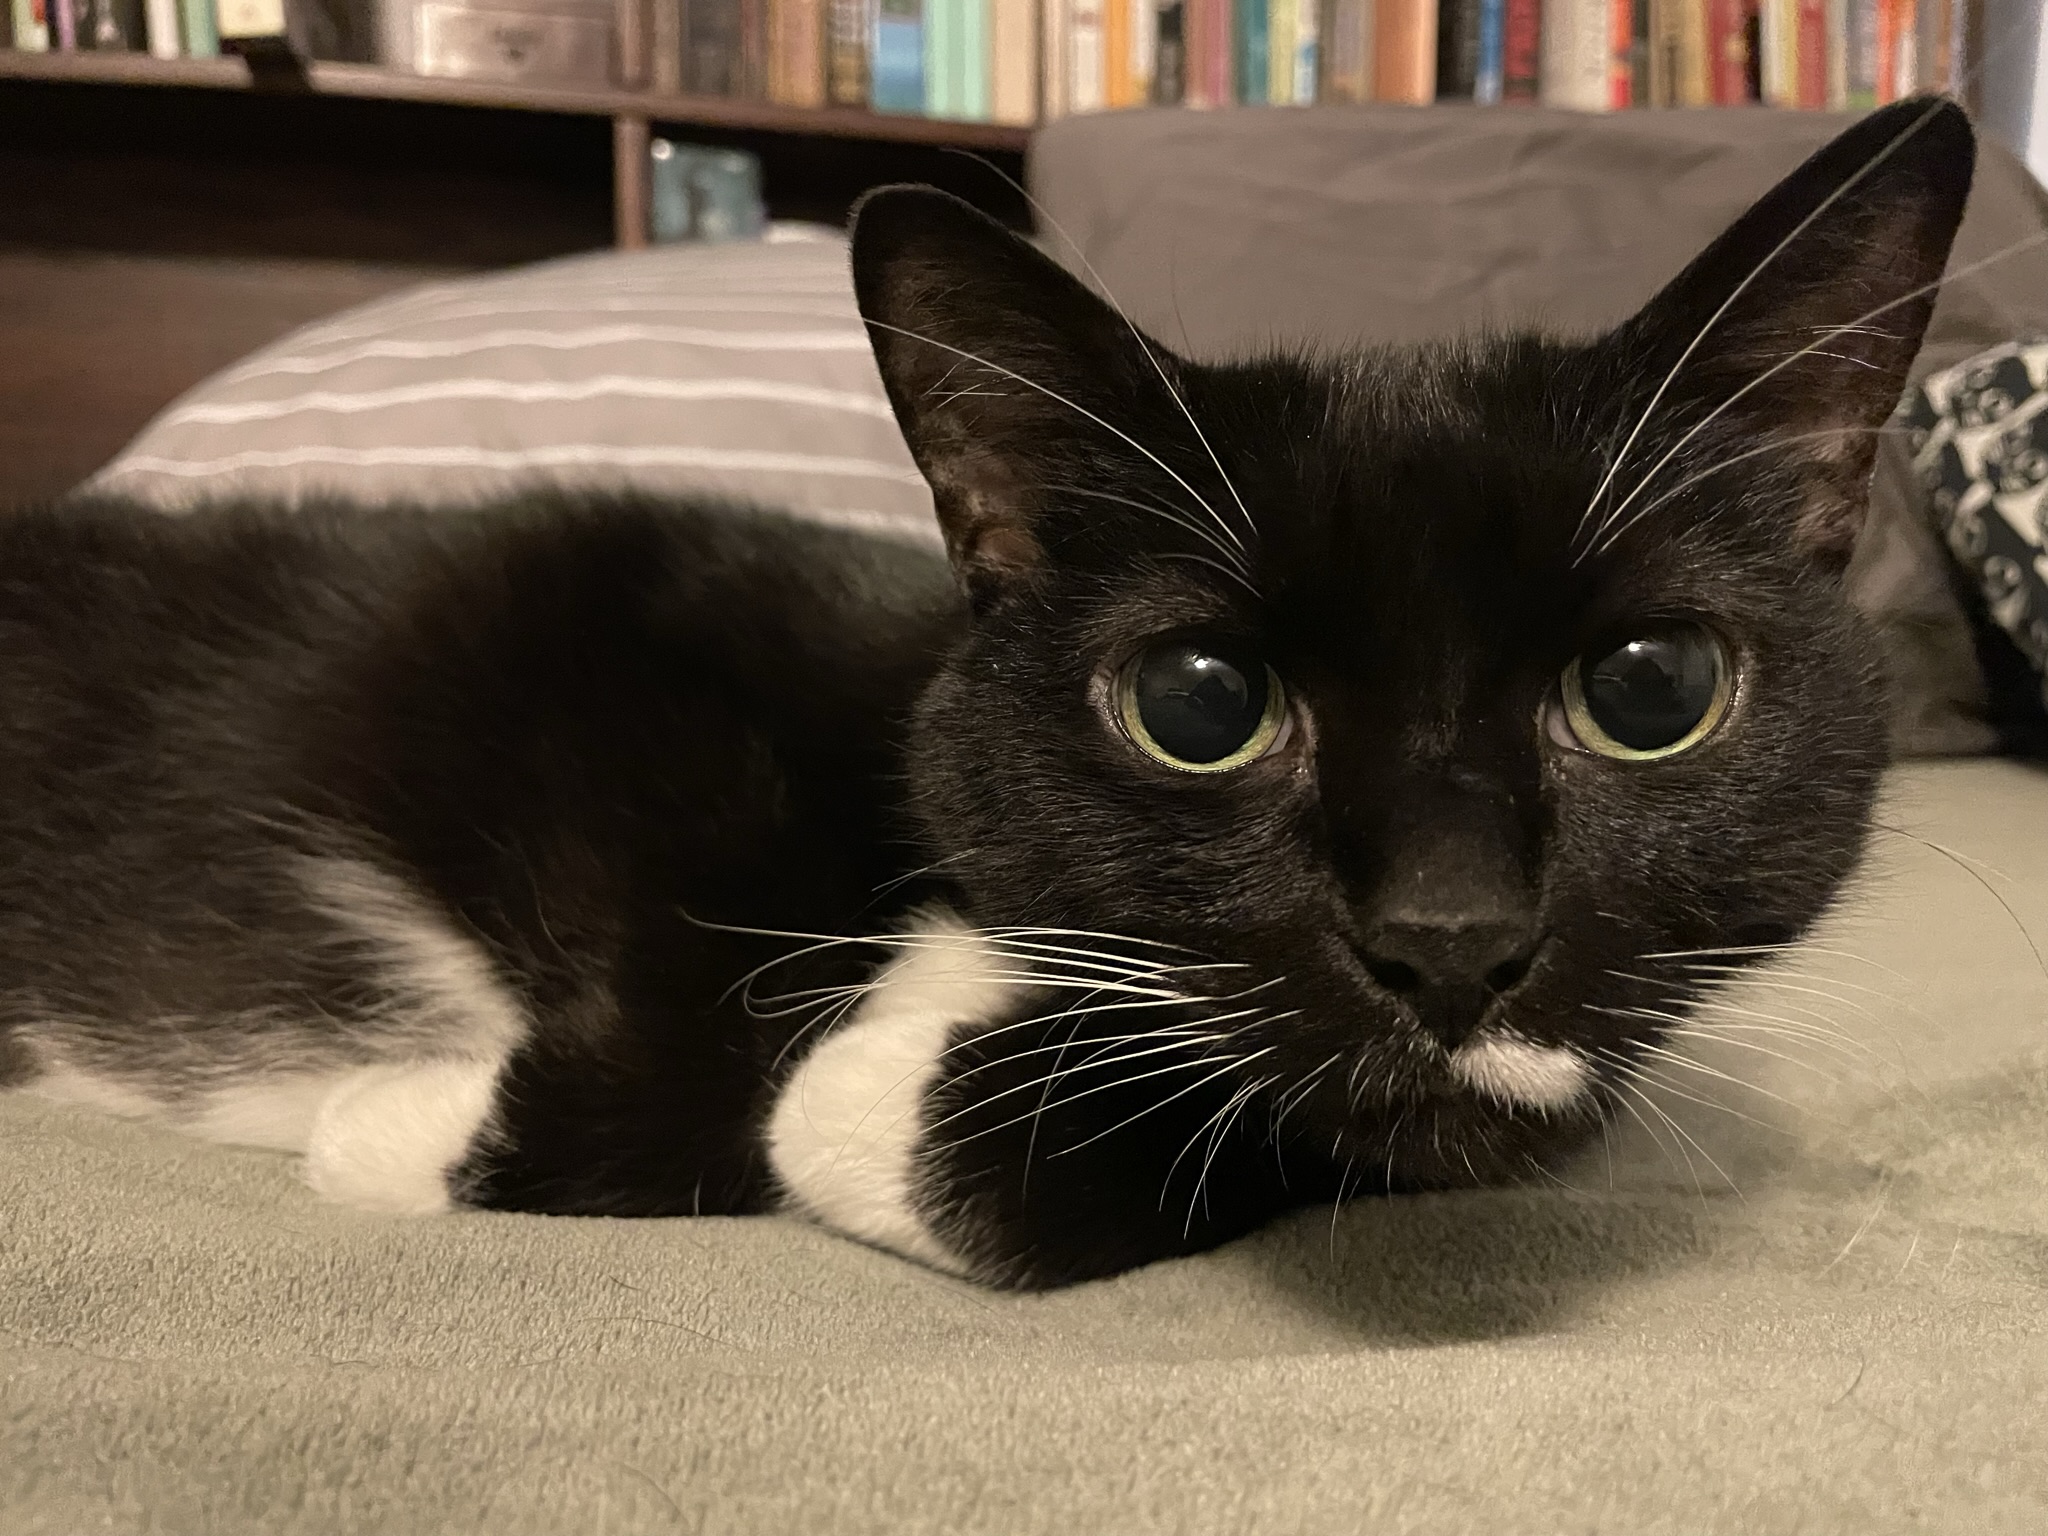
[1310, 775]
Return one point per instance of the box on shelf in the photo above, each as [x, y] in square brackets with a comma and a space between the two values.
[542, 42]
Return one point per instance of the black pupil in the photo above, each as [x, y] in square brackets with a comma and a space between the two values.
[1652, 692]
[1198, 704]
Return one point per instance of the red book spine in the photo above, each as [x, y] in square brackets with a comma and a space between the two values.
[1728, 52]
[1521, 50]
[1813, 54]
[1621, 41]
[1887, 52]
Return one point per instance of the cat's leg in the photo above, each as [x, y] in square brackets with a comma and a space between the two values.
[1023, 1135]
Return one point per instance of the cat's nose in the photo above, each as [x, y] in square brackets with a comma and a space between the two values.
[1449, 970]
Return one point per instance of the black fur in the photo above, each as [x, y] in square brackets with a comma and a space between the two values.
[590, 731]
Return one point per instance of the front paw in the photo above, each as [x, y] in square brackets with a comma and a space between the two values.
[389, 1138]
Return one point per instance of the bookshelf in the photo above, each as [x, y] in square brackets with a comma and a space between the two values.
[633, 112]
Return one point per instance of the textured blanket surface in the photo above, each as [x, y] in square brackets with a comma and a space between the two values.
[1815, 1300]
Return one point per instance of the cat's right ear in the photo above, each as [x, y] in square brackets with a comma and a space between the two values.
[1005, 372]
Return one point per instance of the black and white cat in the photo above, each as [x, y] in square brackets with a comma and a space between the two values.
[1311, 776]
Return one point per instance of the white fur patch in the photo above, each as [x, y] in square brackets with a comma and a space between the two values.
[1521, 1074]
[844, 1133]
[387, 1137]
[383, 1134]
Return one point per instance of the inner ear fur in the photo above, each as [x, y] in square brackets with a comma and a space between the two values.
[1823, 292]
[994, 358]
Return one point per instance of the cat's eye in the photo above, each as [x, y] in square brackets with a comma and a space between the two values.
[1652, 695]
[1200, 705]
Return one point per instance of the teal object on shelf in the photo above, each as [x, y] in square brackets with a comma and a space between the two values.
[897, 69]
[697, 193]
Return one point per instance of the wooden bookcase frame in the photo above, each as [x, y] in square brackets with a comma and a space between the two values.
[633, 112]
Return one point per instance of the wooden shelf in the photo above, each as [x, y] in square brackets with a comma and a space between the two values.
[371, 81]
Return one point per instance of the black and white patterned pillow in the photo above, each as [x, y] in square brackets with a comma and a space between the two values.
[1979, 435]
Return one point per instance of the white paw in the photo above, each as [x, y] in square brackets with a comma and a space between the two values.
[387, 1138]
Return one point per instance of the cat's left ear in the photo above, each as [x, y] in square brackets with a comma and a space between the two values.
[1008, 377]
[1798, 325]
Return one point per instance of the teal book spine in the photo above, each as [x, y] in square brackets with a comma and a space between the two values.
[202, 32]
[939, 86]
[1254, 68]
[976, 63]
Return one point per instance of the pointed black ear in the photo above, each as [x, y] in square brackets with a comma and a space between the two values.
[1006, 374]
[1798, 325]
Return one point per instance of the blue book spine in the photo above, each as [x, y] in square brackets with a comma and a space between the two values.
[897, 77]
[975, 60]
[1492, 51]
[202, 34]
[1253, 67]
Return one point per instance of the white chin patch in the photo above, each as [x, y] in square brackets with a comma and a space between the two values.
[844, 1133]
[1521, 1074]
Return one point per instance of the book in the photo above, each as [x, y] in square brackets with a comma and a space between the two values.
[1116, 54]
[1170, 57]
[31, 19]
[1936, 26]
[1838, 54]
[1621, 65]
[1144, 49]
[1210, 30]
[942, 73]
[64, 24]
[1812, 68]
[160, 24]
[796, 53]
[1087, 64]
[1347, 51]
[847, 39]
[971, 55]
[1486, 76]
[1861, 55]
[1013, 62]
[896, 58]
[1884, 82]
[1253, 68]
[1405, 51]
[1521, 70]
[713, 52]
[665, 46]
[1280, 33]
[200, 31]
[1575, 55]
[1308, 51]
[1055, 54]
[1457, 49]
[1728, 51]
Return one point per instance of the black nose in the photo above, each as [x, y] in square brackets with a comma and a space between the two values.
[1449, 971]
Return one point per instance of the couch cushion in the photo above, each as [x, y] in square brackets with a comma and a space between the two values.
[1226, 231]
[740, 370]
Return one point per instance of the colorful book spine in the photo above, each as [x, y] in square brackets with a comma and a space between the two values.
[1308, 52]
[1861, 55]
[846, 53]
[897, 57]
[1491, 61]
[1055, 33]
[31, 26]
[1884, 84]
[1254, 69]
[1347, 72]
[1144, 56]
[1457, 49]
[1728, 52]
[1170, 53]
[64, 24]
[937, 66]
[1208, 43]
[1405, 51]
[1281, 31]
[1116, 54]
[1621, 34]
[971, 44]
[200, 28]
[1812, 67]
[1521, 68]
[1013, 62]
[1087, 63]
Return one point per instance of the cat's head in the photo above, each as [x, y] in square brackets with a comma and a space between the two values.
[1462, 704]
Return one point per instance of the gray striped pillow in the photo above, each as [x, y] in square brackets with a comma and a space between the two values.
[736, 369]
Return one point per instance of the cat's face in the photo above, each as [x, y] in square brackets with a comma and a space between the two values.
[1452, 710]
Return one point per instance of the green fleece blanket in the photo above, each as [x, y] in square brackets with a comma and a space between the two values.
[1821, 1306]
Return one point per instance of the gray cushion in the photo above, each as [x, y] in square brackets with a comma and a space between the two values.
[1224, 231]
[740, 370]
